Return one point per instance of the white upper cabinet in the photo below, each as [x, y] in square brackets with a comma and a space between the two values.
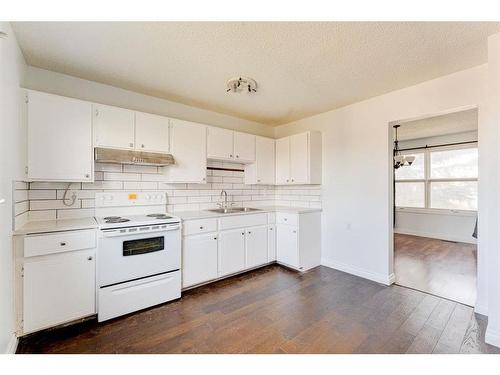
[59, 132]
[283, 161]
[262, 172]
[298, 159]
[188, 145]
[228, 145]
[114, 127]
[151, 133]
[244, 147]
[219, 143]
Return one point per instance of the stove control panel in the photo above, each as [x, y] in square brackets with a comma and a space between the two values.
[127, 198]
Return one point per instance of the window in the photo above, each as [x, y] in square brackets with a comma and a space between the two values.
[444, 178]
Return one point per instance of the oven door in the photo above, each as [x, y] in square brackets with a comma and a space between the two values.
[131, 256]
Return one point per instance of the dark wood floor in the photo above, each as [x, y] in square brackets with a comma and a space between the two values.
[275, 310]
[446, 269]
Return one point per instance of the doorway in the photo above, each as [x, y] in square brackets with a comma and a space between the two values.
[435, 191]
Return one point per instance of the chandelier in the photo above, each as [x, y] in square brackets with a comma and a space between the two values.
[399, 159]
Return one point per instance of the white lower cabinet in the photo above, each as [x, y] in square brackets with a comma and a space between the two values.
[271, 243]
[256, 244]
[231, 251]
[298, 240]
[58, 288]
[286, 241]
[199, 259]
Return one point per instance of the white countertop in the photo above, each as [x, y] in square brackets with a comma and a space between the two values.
[191, 215]
[45, 226]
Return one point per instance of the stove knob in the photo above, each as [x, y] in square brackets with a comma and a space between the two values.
[148, 197]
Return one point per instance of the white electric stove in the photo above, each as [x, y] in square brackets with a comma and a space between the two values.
[139, 252]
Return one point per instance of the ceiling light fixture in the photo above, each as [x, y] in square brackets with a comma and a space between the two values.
[400, 160]
[238, 84]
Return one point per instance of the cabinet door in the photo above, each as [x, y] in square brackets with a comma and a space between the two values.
[256, 246]
[244, 147]
[283, 161]
[188, 145]
[231, 251]
[58, 288]
[151, 133]
[59, 138]
[299, 158]
[199, 259]
[271, 243]
[266, 164]
[220, 143]
[114, 127]
[287, 245]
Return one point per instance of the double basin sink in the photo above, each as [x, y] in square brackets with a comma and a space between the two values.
[233, 210]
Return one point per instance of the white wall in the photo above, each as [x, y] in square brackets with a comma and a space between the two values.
[357, 185]
[441, 224]
[12, 68]
[61, 84]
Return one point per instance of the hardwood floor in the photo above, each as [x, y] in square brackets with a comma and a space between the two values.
[275, 310]
[446, 269]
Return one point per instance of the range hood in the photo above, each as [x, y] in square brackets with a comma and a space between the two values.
[109, 155]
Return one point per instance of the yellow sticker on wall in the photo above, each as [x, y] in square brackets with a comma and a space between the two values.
[132, 196]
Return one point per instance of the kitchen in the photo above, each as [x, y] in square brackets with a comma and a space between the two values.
[208, 201]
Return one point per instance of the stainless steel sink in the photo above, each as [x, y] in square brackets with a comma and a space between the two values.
[233, 210]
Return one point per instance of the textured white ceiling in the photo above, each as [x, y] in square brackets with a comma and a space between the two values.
[452, 123]
[302, 68]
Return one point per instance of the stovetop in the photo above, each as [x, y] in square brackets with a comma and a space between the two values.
[135, 220]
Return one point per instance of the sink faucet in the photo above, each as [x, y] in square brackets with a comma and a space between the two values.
[223, 192]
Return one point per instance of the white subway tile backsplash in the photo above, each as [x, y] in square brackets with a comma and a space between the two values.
[42, 215]
[42, 194]
[117, 176]
[45, 198]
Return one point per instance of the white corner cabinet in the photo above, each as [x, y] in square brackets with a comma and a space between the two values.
[188, 142]
[263, 171]
[55, 278]
[124, 129]
[59, 138]
[298, 239]
[230, 145]
[213, 248]
[298, 159]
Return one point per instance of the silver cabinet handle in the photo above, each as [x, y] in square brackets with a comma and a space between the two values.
[142, 146]
[285, 219]
[215, 238]
[242, 233]
[87, 175]
[237, 156]
[201, 227]
[293, 180]
[90, 258]
[230, 155]
[249, 232]
[62, 243]
[286, 180]
[294, 231]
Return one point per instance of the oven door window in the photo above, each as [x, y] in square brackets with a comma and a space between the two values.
[143, 246]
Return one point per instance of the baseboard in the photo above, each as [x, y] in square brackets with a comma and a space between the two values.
[492, 337]
[377, 277]
[436, 236]
[12, 346]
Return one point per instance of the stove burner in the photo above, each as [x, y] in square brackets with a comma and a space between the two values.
[112, 217]
[116, 220]
[159, 216]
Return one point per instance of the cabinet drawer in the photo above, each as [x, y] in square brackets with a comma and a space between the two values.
[200, 226]
[286, 218]
[135, 295]
[36, 245]
[242, 221]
